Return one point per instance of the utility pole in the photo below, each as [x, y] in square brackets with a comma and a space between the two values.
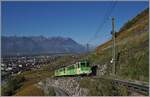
[87, 47]
[114, 48]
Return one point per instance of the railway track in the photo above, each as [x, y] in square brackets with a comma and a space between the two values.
[131, 86]
[139, 88]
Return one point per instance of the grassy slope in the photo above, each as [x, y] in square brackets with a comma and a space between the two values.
[132, 44]
[34, 76]
[131, 28]
[32, 90]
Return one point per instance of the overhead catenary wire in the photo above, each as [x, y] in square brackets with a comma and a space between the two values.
[105, 19]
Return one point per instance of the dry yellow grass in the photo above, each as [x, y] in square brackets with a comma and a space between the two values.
[31, 90]
[140, 24]
[32, 77]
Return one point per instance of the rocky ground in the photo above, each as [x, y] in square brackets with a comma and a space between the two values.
[69, 85]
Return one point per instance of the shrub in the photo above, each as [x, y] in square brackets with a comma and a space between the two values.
[102, 87]
[12, 84]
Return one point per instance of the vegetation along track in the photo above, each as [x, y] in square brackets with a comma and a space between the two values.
[132, 87]
[142, 89]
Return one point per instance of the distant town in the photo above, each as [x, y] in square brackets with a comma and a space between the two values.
[17, 64]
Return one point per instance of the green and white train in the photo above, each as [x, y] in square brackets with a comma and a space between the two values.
[79, 68]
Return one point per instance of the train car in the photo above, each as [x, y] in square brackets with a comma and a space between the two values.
[79, 68]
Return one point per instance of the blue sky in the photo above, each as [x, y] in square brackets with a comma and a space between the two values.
[77, 20]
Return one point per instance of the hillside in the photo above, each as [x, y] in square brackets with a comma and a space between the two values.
[136, 26]
[39, 45]
[132, 46]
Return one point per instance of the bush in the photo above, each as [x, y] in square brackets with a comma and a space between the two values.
[12, 84]
[102, 87]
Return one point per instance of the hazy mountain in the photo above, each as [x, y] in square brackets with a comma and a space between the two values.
[13, 45]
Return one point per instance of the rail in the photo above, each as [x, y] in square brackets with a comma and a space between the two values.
[132, 86]
[139, 88]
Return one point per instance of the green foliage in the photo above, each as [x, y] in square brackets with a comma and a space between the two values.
[12, 84]
[119, 90]
[136, 65]
[133, 62]
[102, 87]
[101, 58]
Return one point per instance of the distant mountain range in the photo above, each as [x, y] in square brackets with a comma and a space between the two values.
[14, 45]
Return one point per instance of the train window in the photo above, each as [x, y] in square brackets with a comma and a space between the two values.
[64, 70]
[61, 69]
[83, 64]
[87, 64]
[72, 67]
[77, 65]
